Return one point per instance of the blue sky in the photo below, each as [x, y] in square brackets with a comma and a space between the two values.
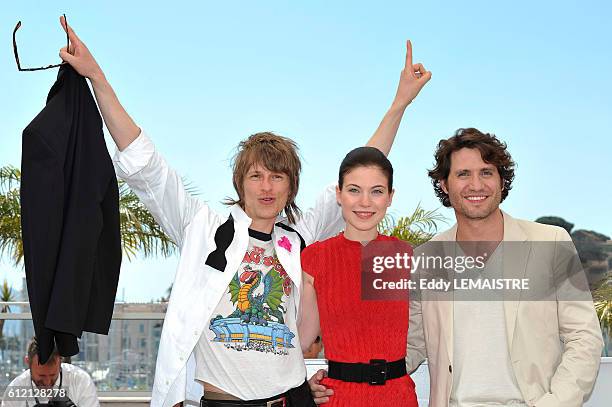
[201, 76]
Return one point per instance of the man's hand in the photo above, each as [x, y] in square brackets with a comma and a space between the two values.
[412, 79]
[79, 56]
[120, 125]
[319, 392]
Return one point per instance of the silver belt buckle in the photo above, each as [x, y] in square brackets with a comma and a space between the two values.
[279, 402]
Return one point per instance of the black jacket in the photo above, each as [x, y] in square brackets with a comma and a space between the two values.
[69, 218]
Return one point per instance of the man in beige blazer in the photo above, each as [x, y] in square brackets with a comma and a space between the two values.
[542, 352]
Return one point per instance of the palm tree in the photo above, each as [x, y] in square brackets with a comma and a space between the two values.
[603, 306]
[139, 231]
[10, 218]
[602, 297]
[416, 228]
[6, 295]
[10, 231]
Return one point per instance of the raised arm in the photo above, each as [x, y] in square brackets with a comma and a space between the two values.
[412, 79]
[120, 125]
[157, 185]
[325, 218]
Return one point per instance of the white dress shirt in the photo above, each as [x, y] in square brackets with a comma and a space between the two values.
[77, 383]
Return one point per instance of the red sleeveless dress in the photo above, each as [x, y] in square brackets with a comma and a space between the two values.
[355, 331]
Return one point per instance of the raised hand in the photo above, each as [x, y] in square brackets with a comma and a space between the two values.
[78, 55]
[120, 125]
[412, 79]
[320, 393]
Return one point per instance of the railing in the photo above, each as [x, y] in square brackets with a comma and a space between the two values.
[121, 363]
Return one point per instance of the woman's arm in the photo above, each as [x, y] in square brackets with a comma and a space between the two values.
[412, 79]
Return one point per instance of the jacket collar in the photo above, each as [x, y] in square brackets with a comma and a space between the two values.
[240, 215]
[513, 231]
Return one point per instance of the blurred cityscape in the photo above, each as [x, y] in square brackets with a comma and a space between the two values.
[123, 360]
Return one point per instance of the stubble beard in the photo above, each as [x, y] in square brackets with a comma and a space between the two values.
[480, 213]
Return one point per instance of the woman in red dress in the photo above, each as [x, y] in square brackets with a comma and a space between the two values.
[362, 339]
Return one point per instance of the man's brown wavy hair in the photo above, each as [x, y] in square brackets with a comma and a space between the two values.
[275, 153]
[492, 150]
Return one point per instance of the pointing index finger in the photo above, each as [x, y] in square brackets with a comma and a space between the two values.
[408, 55]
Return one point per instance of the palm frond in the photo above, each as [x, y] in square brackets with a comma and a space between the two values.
[602, 298]
[192, 190]
[604, 313]
[6, 295]
[140, 232]
[9, 176]
[10, 226]
[417, 228]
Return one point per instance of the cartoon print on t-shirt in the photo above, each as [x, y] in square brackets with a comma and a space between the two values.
[257, 309]
[258, 293]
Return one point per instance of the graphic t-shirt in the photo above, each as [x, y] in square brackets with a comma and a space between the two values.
[251, 348]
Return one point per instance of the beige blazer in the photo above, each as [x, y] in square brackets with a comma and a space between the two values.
[555, 345]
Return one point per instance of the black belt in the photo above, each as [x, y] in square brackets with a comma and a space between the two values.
[277, 402]
[297, 397]
[378, 371]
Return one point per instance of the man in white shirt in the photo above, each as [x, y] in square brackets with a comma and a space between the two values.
[39, 384]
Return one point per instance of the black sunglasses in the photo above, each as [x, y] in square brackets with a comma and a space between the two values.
[17, 54]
